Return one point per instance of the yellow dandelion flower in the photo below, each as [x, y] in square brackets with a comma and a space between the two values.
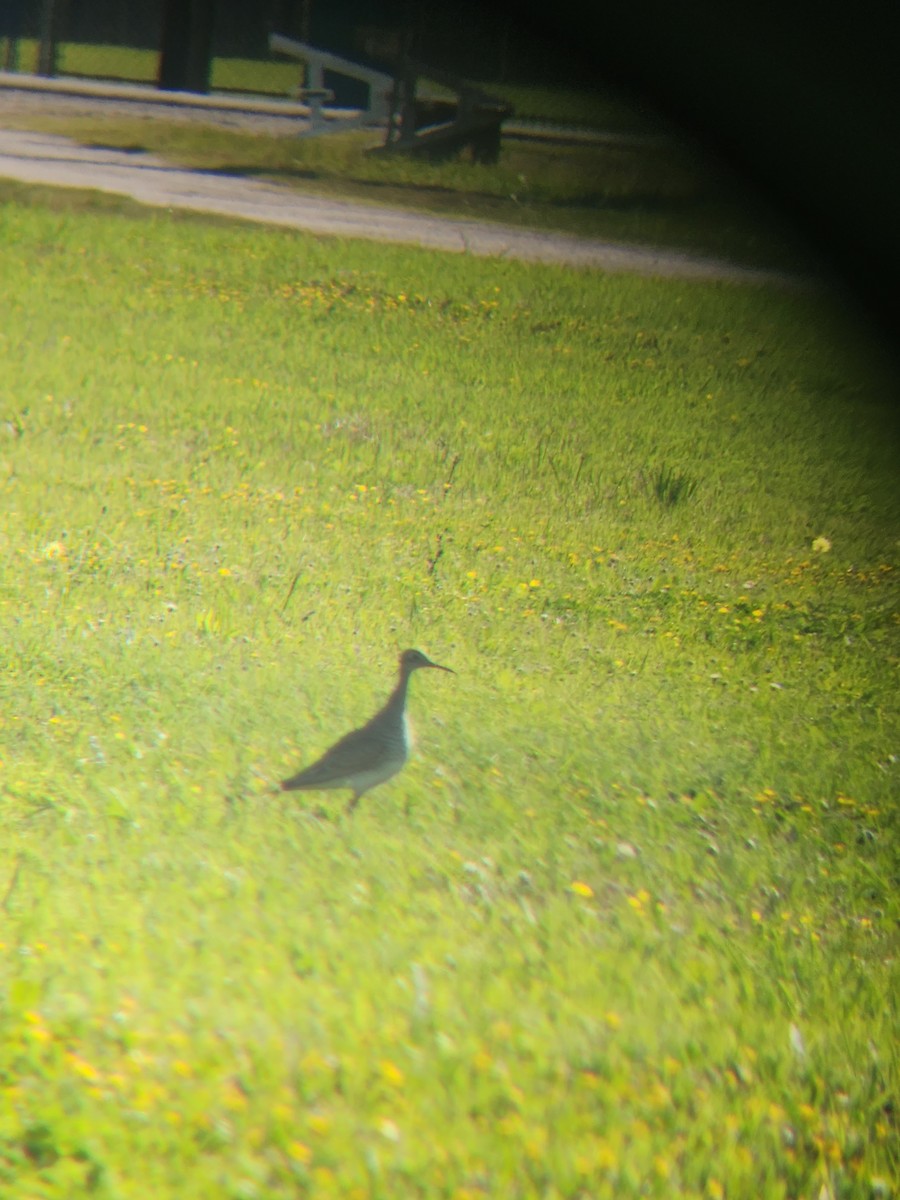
[536, 1143]
[662, 1166]
[605, 1156]
[482, 1061]
[821, 545]
[581, 889]
[233, 1096]
[82, 1067]
[391, 1073]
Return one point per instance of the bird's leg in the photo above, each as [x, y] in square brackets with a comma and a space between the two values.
[351, 806]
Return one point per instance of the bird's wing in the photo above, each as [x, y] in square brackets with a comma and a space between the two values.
[349, 756]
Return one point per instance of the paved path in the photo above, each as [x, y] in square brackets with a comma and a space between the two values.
[58, 161]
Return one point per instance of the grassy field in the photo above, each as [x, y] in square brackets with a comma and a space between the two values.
[626, 925]
[662, 191]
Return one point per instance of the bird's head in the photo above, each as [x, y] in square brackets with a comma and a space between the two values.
[412, 660]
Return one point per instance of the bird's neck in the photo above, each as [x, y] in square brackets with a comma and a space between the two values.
[397, 699]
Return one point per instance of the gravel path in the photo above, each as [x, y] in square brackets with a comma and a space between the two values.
[34, 96]
[49, 159]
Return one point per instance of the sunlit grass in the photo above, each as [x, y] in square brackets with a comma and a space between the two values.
[624, 925]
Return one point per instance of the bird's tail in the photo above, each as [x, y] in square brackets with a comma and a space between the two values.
[290, 785]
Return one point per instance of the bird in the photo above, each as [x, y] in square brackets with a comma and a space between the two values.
[373, 753]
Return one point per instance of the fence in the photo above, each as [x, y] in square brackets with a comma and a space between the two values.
[121, 40]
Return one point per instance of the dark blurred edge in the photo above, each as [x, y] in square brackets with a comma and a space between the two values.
[799, 99]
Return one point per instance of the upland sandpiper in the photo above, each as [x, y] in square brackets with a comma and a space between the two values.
[369, 755]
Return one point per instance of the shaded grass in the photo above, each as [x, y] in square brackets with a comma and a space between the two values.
[661, 196]
[130, 65]
[602, 109]
[624, 925]
[654, 189]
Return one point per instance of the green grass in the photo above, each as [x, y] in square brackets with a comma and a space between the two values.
[276, 77]
[626, 924]
[664, 193]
